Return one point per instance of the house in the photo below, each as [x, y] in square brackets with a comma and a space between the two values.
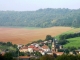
[30, 48]
[19, 46]
[71, 53]
[36, 49]
[77, 51]
[23, 49]
[37, 45]
[24, 58]
[42, 52]
[45, 42]
[59, 53]
[49, 53]
[3, 53]
[45, 48]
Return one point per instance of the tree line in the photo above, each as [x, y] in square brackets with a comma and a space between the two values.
[41, 18]
[8, 44]
[67, 36]
[8, 56]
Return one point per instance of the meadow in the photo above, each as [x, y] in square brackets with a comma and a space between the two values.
[73, 30]
[73, 42]
[27, 35]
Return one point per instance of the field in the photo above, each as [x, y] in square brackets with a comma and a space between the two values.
[73, 42]
[73, 30]
[25, 35]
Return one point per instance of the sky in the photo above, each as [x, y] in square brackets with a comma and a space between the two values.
[32, 5]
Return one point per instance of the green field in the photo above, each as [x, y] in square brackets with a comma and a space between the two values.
[30, 28]
[3, 47]
[73, 42]
[74, 30]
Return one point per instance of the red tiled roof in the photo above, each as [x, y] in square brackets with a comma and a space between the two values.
[36, 49]
[45, 47]
[24, 48]
[31, 46]
[59, 53]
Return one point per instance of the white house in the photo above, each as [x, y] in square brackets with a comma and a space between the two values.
[23, 49]
[30, 48]
[45, 48]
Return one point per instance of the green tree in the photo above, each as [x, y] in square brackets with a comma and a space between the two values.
[49, 37]
[8, 56]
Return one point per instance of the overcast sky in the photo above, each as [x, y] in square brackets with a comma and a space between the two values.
[29, 5]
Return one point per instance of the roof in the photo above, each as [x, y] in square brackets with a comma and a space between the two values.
[24, 56]
[59, 53]
[41, 50]
[45, 47]
[3, 53]
[24, 48]
[36, 49]
[49, 52]
[78, 50]
[31, 46]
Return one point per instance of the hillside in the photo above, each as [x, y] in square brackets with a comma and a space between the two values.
[73, 42]
[41, 18]
[25, 35]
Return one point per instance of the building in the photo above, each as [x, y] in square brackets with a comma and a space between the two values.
[77, 51]
[30, 48]
[45, 48]
[23, 49]
[56, 47]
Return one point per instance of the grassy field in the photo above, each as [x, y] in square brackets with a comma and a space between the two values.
[73, 42]
[74, 30]
[26, 35]
[7, 47]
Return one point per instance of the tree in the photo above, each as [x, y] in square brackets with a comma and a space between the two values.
[48, 37]
[47, 57]
[8, 56]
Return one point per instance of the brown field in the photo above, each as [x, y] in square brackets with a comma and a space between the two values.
[24, 36]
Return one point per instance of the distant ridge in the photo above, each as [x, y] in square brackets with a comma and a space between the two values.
[41, 18]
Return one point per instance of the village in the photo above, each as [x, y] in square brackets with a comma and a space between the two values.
[42, 48]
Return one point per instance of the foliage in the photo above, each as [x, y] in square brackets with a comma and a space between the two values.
[63, 38]
[49, 37]
[63, 42]
[41, 18]
[8, 46]
[47, 57]
[67, 36]
[68, 57]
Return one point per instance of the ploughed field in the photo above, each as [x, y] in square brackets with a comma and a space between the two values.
[25, 35]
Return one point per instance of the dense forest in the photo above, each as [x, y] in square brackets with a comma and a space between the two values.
[41, 18]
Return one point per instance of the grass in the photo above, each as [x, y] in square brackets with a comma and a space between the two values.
[73, 42]
[30, 28]
[3, 47]
[73, 30]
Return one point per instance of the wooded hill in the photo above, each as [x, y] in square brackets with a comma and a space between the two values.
[41, 18]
